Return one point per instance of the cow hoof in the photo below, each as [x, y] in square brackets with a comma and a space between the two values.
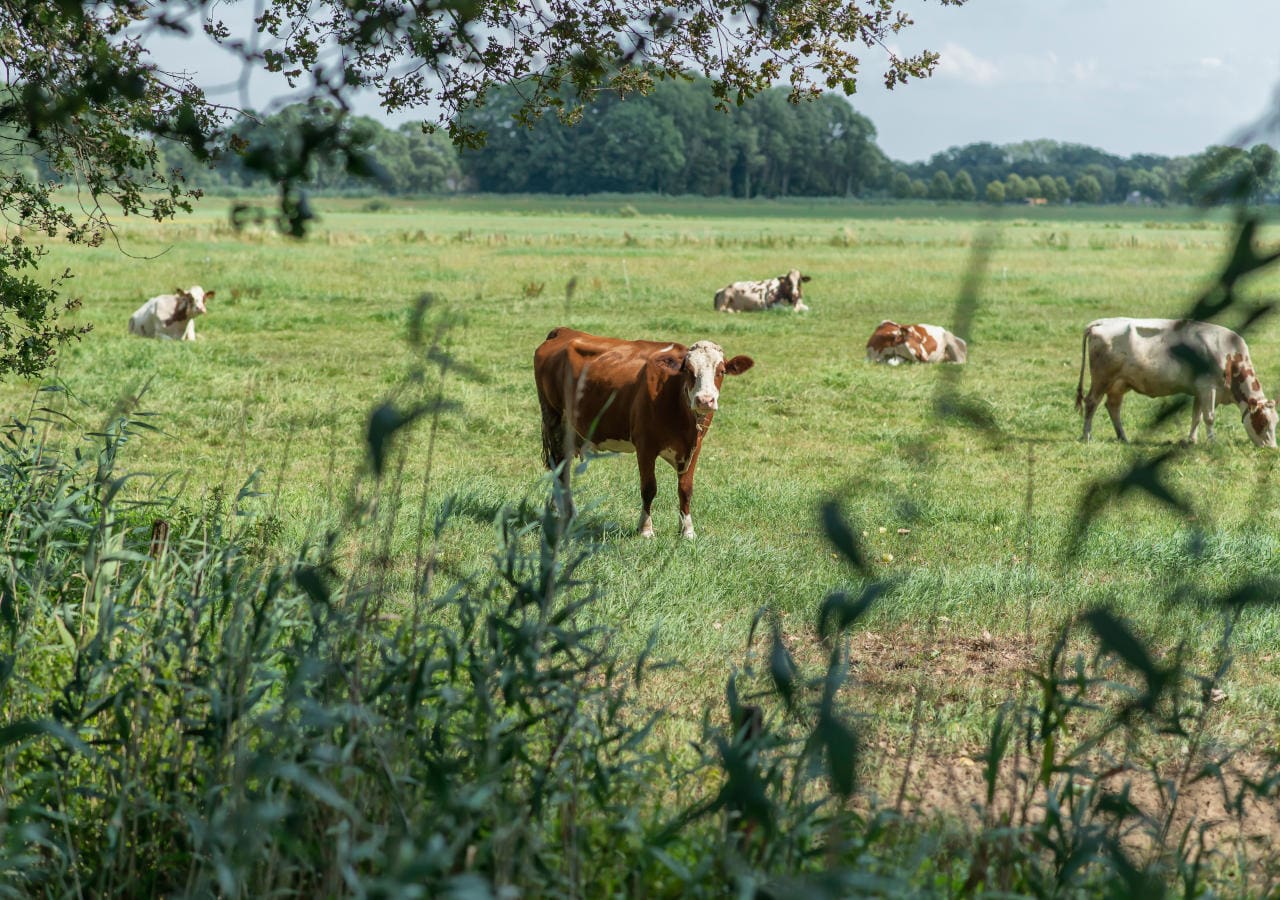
[688, 535]
[646, 532]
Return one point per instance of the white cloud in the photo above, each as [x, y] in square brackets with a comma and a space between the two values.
[1211, 62]
[964, 65]
[1084, 70]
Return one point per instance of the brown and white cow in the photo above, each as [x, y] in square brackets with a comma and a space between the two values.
[171, 316]
[751, 296]
[894, 344]
[650, 398]
[1160, 357]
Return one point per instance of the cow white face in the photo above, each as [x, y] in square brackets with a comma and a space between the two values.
[705, 368]
[197, 296]
[1260, 422]
[189, 304]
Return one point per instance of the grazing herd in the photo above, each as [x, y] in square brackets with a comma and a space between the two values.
[657, 399]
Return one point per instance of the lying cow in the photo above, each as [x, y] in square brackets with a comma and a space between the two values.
[751, 296]
[1160, 357]
[171, 316]
[894, 344]
[644, 397]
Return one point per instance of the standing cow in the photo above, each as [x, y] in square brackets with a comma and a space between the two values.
[894, 344]
[751, 296]
[1161, 357]
[171, 316]
[644, 397]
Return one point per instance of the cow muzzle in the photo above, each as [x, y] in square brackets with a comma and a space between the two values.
[705, 403]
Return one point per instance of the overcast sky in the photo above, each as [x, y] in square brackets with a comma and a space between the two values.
[1128, 76]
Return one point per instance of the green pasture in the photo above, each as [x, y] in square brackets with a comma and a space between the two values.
[304, 338]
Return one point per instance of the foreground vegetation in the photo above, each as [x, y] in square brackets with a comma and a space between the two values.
[335, 687]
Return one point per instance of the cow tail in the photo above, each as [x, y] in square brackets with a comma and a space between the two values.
[551, 437]
[1084, 352]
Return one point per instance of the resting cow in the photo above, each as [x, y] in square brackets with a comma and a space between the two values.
[1160, 357]
[643, 397]
[894, 344]
[171, 316]
[751, 296]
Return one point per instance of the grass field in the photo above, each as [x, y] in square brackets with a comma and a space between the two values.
[304, 338]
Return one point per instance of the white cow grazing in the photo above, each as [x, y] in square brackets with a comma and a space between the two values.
[171, 316]
[1156, 357]
[751, 296]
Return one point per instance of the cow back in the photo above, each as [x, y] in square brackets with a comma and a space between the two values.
[608, 388]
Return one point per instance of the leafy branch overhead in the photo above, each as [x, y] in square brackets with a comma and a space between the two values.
[447, 56]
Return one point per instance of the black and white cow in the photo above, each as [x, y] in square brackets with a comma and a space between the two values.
[750, 296]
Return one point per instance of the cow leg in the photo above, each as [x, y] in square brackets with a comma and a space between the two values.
[1090, 407]
[1207, 403]
[686, 499]
[1197, 409]
[1114, 399]
[648, 489]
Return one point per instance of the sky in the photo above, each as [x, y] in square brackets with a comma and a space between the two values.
[1128, 76]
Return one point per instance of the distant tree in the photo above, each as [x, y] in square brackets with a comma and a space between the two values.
[430, 163]
[1106, 178]
[900, 185]
[919, 189]
[1062, 187]
[627, 146]
[1087, 190]
[983, 162]
[1266, 171]
[963, 188]
[1049, 189]
[1151, 185]
[1015, 190]
[940, 186]
[995, 192]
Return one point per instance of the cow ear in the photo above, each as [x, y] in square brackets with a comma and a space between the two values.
[738, 365]
[208, 295]
[670, 363]
[806, 278]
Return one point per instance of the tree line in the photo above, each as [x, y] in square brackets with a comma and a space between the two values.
[1057, 172]
[678, 139]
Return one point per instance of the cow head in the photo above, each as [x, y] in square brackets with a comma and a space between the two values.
[1260, 421]
[190, 303]
[703, 368]
[790, 290]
